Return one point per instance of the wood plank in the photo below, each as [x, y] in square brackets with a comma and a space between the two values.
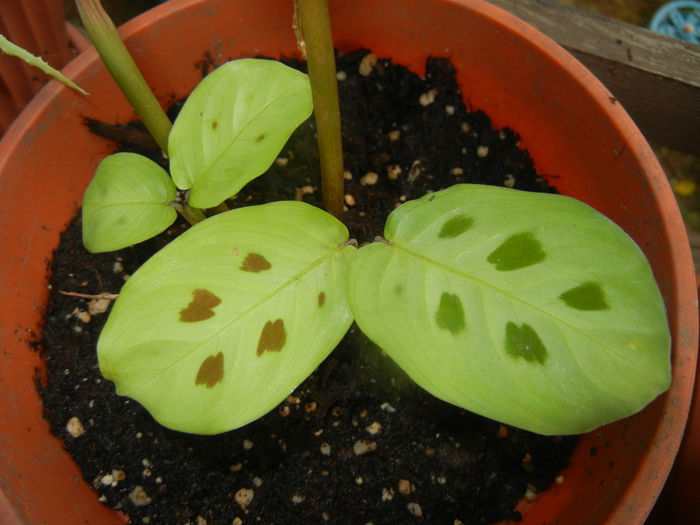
[654, 77]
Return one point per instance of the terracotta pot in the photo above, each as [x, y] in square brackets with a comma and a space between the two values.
[574, 129]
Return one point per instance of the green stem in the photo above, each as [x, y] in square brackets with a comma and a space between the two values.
[191, 215]
[122, 67]
[221, 208]
[314, 20]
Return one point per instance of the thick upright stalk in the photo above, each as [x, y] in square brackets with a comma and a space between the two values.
[118, 61]
[314, 20]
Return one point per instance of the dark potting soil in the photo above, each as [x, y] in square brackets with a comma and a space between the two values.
[358, 442]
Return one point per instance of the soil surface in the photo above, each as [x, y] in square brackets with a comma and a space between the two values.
[356, 443]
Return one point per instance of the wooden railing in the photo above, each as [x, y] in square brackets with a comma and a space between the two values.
[654, 77]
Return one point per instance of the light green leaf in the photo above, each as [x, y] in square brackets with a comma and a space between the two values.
[127, 201]
[233, 126]
[531, 309]
[223, 323]
[38, 62]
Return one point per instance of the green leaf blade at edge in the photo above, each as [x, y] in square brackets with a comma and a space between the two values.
[127, 202]
[219, 142]
[13, 49]
[310, 299]
[507, 388]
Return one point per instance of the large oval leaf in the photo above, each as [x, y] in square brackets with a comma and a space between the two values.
[531, 309]
[128, 201]
[233, 126]
[223, 323]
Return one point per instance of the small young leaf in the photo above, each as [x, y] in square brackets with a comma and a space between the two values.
[531, 309]
[38, 62]
[127, 201]
[233, 126]
[223, 323]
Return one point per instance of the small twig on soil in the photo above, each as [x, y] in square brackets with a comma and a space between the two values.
[104, 295]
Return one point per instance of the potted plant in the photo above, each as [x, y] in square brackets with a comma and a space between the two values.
[620, 177]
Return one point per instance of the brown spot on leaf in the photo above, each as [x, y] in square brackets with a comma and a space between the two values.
[254, 262]
[260, 138]
[321, 299]
[201, 307]
[272, 337]
[214, 125]
[211, 371]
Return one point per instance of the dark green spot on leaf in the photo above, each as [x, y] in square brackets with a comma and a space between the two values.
[450, 313]
[321, 299]
[588, 297]
[211, 371]
[200, 308]
[523, 341]
[517, 251]
[254, 262]
[272, 337]
[455, 226]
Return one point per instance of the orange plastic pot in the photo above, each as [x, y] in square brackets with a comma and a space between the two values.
[574, 129]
